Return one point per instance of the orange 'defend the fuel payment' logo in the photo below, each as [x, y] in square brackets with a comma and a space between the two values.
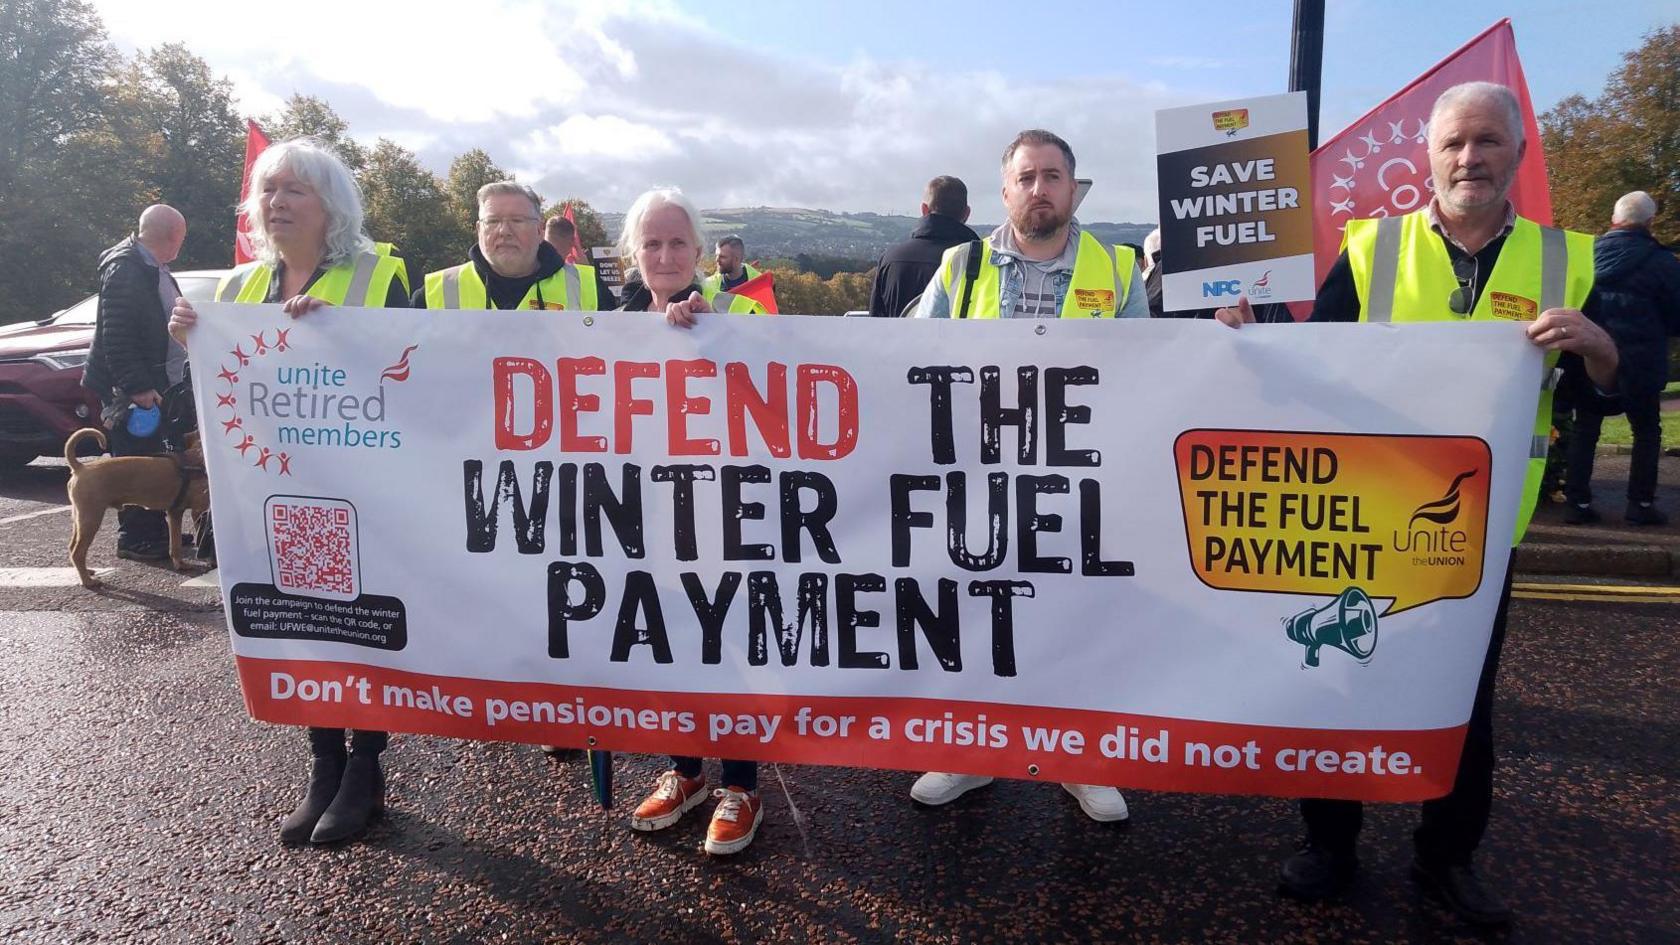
[1359, 518]
[1231, 120]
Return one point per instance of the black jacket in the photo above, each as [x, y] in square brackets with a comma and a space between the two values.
[1637, 281]
[906, 268]
[131, 337]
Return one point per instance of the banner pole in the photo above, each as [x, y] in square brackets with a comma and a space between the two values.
[1306, 60]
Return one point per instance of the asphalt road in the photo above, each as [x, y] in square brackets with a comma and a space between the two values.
[140, 804]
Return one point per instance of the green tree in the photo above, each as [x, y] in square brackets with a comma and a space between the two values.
[306, 115]
[405, 204]
[1626, 139]
[66, 190]
[467, 174]
[591, 231]
[183, 120]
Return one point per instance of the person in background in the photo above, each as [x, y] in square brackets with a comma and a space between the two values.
[732, 268]
[561, 234]
[906, 267]
[1637, 281]
[133, 360]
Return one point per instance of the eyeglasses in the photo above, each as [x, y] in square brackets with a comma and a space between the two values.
[1463, 298]
[508, 223]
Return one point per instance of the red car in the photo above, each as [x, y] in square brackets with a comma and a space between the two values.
[42, 400]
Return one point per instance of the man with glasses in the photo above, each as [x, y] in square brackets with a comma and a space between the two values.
[510, 266]
[1466, 256]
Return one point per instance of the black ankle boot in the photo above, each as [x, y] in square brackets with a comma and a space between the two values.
[361, 798]
[325, 773]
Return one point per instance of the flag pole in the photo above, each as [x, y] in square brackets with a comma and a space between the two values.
[1306, 60]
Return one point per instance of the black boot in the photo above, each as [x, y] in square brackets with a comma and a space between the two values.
[325, 773]
[361, 798]
[1463, 892]
[1316, 873]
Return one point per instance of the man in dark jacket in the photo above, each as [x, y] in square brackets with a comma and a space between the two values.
[906, 267]
[133, 360]
[1638, 284]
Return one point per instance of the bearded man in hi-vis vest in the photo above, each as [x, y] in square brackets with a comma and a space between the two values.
[1040, 264]
[1466, 256]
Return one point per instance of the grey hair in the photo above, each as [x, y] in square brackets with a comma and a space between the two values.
[511, 188]
[732, 240]
[1635, 209]
[635, 219]
[334, 185]
[1492, 92]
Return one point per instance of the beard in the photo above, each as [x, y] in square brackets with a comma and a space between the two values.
[1501, 190]
[1038, 221]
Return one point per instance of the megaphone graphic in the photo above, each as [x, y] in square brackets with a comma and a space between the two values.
[1348, 623]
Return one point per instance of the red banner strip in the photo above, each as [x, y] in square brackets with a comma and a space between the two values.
[1011, 741]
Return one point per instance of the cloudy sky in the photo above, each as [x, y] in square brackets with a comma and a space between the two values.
[846, 106]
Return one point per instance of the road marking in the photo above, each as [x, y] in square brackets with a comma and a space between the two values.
[27, 515]
[45, 577]
[207, 579]
[1636, 590]
[1597, 598]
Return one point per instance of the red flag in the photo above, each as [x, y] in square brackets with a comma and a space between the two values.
[761, 289]
[1379, 165]
[255, 142]
[576, 253]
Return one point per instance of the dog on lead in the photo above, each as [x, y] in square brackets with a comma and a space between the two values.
[173, 483]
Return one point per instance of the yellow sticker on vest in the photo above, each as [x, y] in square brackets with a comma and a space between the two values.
[1094, 299]
[1514, 307]
[547, 306]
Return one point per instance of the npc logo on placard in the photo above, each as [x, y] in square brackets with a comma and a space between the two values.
[273, 402]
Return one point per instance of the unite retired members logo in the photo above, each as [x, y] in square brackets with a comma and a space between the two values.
[269, 409]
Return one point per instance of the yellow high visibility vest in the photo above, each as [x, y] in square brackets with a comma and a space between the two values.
[732, 303]
[364, 281]
[1102, 280]
[461, 287]
[1403, 274]
[390, 249]
[713, 284]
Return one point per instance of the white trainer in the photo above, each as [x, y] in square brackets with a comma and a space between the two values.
[937, 787]
[1099, 802]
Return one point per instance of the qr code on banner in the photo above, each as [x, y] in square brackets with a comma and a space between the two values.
[312, 546]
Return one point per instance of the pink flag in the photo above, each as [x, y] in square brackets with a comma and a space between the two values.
[255, 142]
[1379, 165]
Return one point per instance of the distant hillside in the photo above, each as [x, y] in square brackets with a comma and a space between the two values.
[787, 232]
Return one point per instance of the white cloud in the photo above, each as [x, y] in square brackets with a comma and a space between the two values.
[603, 101]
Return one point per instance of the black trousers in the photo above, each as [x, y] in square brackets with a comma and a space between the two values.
[136, 526]
[1644, 413]
[329, 742]
[1453, 825]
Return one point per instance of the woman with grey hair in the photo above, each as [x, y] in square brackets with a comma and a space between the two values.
[306, 212]
[662, 238]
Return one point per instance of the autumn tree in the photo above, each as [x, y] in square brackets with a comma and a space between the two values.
[1626, 139]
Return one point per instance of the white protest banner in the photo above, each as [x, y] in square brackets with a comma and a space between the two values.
[1160, 554]
[1234, 178]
